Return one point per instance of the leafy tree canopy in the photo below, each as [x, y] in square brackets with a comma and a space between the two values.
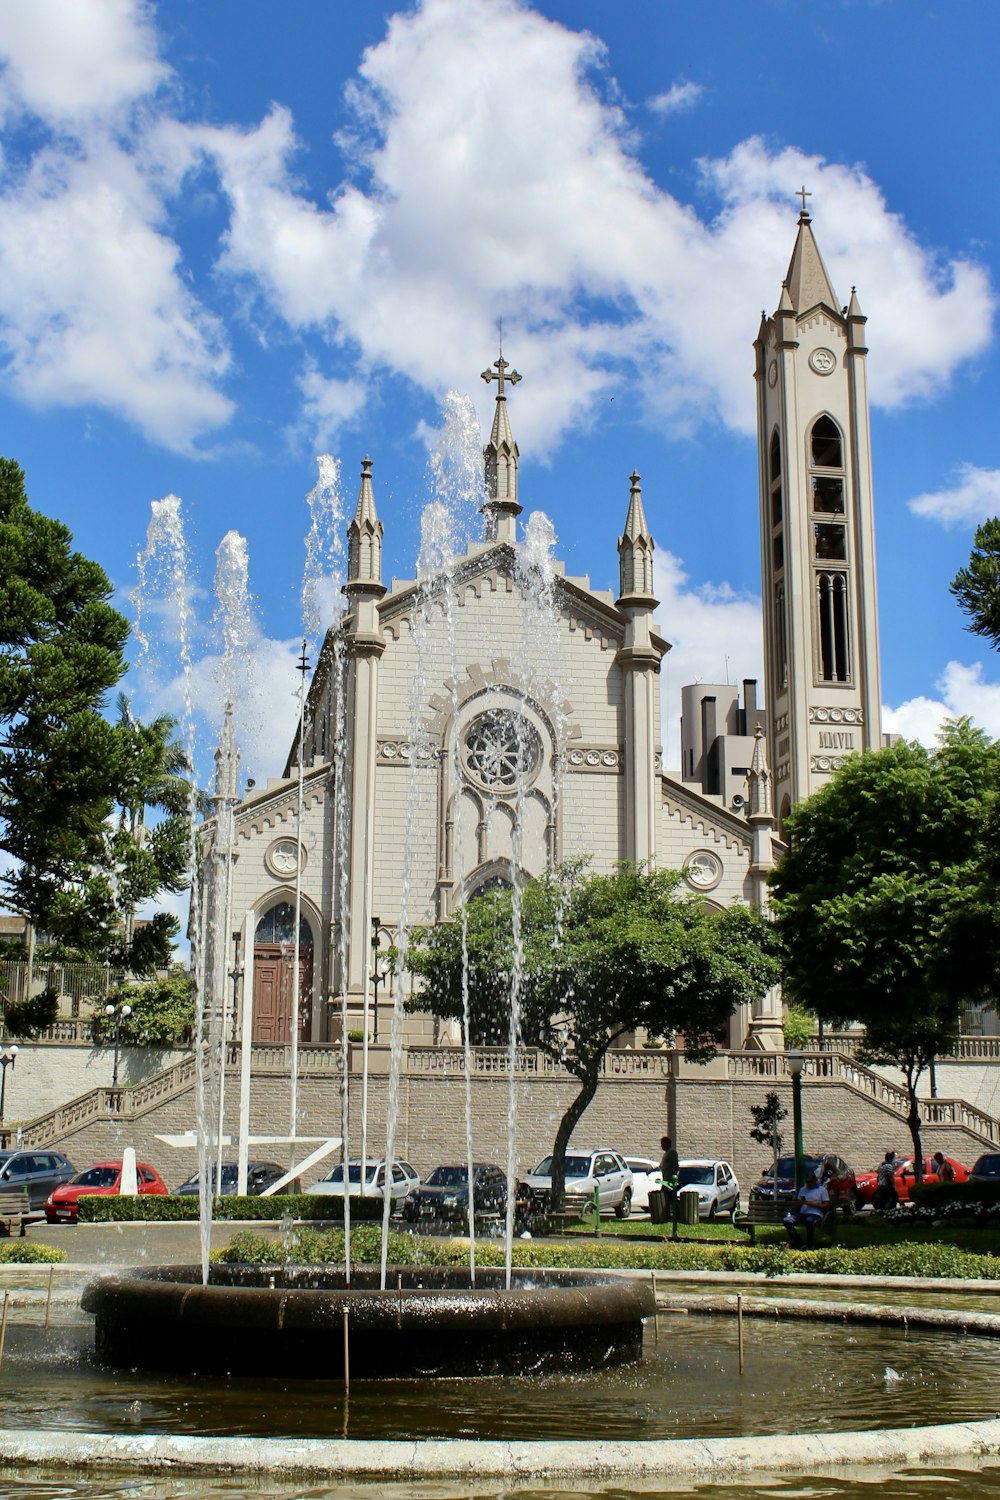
[884, 904]
[162, 1012]
[977, 587]
[74, 788]
[600, 955]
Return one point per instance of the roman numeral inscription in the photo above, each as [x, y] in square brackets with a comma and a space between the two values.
[836, 739]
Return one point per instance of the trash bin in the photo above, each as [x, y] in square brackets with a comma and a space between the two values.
[658, 1208]
[687, 1207]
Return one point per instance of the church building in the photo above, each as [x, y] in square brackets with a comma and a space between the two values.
[496, 717]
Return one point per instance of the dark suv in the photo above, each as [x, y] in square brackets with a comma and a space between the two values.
[260, 1175]
[35, 1172]
[831, 1170]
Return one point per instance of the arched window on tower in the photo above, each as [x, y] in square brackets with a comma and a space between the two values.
[829, 546]
[778, 562]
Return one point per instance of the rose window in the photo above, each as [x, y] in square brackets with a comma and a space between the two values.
[499, 750]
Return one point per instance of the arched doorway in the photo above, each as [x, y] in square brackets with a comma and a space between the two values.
[273, 967]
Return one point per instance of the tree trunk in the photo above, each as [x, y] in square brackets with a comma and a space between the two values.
[567, 1125]
[913, 1072]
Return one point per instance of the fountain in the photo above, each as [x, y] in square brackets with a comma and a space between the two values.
[254, 1366]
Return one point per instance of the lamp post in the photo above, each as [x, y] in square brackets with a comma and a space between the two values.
[380, 969]
[795, 1060]
[120, 1013]
[8, 1057]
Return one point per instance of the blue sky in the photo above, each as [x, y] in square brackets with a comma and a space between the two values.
[236, 236]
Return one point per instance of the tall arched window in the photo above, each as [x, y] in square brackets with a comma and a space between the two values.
[829, 548]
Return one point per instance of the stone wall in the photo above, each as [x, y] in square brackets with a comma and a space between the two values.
[707, 1116]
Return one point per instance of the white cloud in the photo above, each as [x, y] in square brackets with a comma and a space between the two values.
[95, 308]
[964, 691]
[974, 497]
[681, 96]
[497, 177]
[74, 61]
[702, 622]
[492, 172]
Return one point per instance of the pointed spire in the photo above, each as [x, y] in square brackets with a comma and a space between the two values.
[807, 281]
[759, 777]
[854, 307]
[364, 539]
[227, 762]
[635, 550]
[501, 455]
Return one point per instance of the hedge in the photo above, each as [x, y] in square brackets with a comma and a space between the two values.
[314, 1247]
[24, 1253]
[93, 1208]
[939, 1195]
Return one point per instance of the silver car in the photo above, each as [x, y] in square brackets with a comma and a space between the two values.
[715, 1184]
[589, 1173]
[404, 1180]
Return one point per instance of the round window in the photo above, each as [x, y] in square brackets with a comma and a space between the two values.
[500, 749]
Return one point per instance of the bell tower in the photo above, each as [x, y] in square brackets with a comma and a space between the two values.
[821, 661]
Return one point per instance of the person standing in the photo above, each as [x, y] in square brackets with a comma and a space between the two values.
[669, 1175]
[886, 1195]
[943, 1167]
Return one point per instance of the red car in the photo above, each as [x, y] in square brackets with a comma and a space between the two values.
[103, 1178]
[905, 1177]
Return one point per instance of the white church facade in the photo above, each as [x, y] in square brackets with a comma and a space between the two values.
[498, 717]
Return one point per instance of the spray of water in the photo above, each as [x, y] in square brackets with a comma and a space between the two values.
[165, 574]
[321, 585]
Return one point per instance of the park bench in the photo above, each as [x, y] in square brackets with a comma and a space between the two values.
[15, 1209]
[765, 1211]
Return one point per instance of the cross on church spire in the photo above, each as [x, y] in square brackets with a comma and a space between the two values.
[501, 377]
[801, 193]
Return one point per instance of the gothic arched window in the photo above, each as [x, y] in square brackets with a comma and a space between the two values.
[277, 926]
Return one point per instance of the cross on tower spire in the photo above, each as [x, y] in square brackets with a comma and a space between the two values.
[801, 193]
[501, 366]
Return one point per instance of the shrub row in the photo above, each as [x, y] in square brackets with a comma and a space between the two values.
[314, 1247]
[976, 1195]
[148, 1208]
[25, 1253]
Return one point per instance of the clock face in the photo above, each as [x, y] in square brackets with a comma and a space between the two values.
[772, 373]
[823, 361]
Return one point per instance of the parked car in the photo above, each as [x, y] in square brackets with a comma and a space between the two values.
[715, 1184]
[445, 1193]
[906, 1177]
[260, 1175]
[103, 1179]
[986, 1168]
[836, 1176]
[36, 1172]
[646, 1178]
[404, 1180]
[586, 1173]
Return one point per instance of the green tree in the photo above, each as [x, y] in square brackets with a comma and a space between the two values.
[977, 587]
[61, 650]
[600, 955]
[162, 1012]
[75, 789]
[884, 904]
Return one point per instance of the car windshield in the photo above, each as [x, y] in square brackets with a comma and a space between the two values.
[448, 1177]
[987, 1166]
[97, 1177]
[690, 1176]
[786, 1166]
[640, 1164]
[576, 1166]
[353, 1172]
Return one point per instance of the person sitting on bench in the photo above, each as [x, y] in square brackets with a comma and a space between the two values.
[811, 1204]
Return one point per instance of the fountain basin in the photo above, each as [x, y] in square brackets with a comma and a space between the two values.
[259, 1320]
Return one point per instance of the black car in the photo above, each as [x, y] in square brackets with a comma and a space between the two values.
[445, 1193]
[831, 1170]
[36, 1172]
[260, 1175]
[986, 1168]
